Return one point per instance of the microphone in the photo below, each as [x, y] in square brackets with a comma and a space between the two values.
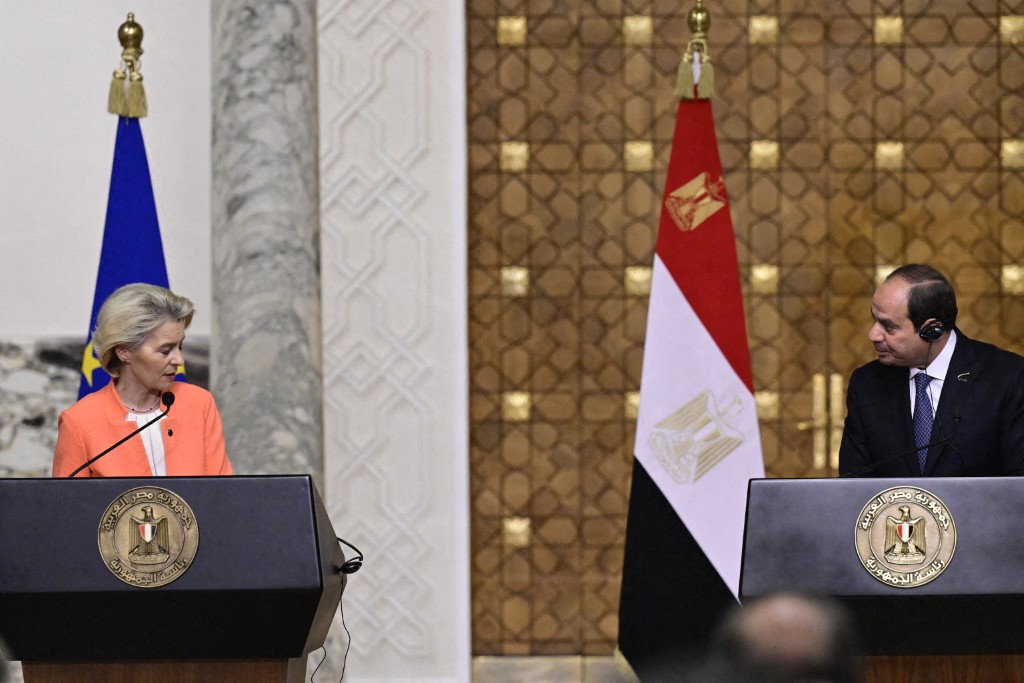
[167, 399]
[937, 442]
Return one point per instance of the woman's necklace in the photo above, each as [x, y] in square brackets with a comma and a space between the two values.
[141, 410]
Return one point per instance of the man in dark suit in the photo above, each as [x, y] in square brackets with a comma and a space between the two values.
[964, 414]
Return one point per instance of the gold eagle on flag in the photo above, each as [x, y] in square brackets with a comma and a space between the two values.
[696, 201]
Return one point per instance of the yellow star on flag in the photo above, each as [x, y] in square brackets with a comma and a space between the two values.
[90, 363]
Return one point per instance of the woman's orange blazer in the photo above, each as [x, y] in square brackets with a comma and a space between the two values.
[193, 440]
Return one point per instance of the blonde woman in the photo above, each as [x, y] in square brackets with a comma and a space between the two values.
[138, 339]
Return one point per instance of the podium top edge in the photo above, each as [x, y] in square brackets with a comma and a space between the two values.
[886, 481]
[158, 479]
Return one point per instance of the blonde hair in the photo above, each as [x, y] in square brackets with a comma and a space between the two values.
[130, 315]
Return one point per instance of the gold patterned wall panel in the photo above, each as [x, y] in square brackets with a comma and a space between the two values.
[854, 136]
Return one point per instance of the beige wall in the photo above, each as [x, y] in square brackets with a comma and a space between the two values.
[56, 60]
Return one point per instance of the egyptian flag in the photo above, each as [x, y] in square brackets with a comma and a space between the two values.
[697, 441]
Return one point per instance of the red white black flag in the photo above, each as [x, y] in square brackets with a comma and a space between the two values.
[697, 440]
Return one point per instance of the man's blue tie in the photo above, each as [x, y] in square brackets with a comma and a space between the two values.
[923, 417]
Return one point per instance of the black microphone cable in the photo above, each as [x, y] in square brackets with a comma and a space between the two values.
[347, 567]
[348, 646]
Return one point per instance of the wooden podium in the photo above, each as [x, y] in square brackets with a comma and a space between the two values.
[259, 595]
[966, 624]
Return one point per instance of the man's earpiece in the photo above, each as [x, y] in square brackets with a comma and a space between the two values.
[931, 330]
[353, 565]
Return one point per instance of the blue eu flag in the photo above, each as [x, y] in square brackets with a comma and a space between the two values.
[132, 250]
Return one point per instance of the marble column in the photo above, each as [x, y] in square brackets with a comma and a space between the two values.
[265, 355]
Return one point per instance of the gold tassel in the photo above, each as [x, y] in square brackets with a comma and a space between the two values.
[137, 107]
[684, 78]
[706, 86]
[131, 104]
[116, 101]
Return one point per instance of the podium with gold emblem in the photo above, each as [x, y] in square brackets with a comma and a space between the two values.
[166, 579]
[930, 568]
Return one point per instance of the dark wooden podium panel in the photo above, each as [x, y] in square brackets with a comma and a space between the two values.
[945, 669]
[800, 536]
[258, 597]
[965, 626]
[254, 671]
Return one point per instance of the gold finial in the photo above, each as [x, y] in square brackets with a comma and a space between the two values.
[695, 66]
[130, 35]
[699, 21]
[130, 104]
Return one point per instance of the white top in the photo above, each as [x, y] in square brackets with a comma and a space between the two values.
[152, 440]
[937, 370]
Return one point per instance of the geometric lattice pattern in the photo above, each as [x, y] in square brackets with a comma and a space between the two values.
[376, 326]
[938, 86]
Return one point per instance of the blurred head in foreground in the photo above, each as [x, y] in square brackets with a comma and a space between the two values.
[784, 638]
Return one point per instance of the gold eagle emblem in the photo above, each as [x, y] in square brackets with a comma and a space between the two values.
[148, 537]
[915, 542]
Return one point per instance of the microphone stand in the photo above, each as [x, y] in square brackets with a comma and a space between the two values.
[167, 399]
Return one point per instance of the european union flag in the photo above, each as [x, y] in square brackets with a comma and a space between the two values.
[132, 250]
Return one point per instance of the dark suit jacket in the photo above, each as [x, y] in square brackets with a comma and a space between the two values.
[980, 414]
